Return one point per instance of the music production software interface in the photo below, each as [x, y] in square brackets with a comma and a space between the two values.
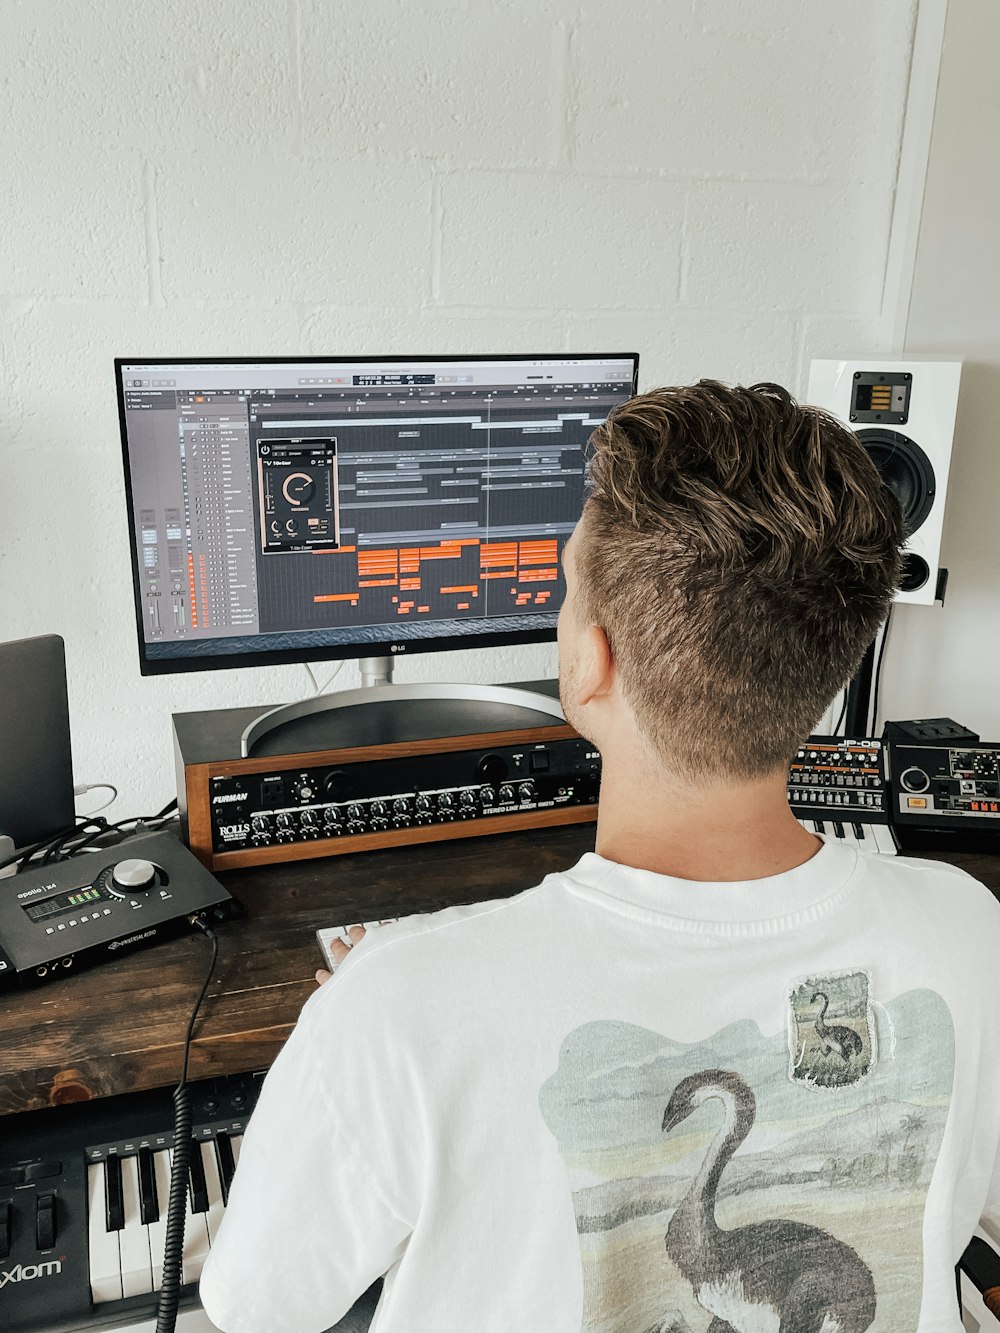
[280, 506]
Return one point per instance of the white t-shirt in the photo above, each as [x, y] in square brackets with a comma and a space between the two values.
[621, 1102]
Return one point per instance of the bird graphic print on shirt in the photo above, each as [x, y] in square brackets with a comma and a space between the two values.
[831, 1034]
[773, 1273]
[716, 1193]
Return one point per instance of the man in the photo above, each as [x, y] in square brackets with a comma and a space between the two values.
[721, 1074]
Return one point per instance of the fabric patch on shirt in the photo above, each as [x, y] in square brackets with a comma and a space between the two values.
[831, 1030]
[711, 1191]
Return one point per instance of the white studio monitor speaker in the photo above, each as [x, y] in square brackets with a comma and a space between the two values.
[903, 412]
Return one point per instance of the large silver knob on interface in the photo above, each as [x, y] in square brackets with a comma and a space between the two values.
[133, 876]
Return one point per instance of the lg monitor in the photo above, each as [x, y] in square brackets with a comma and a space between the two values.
[294, 510]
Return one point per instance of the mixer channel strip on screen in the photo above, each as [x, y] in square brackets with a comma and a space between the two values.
[837, 788]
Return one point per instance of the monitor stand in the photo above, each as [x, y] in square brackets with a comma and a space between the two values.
[377, 687]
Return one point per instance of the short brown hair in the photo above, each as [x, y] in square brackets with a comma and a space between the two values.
[740, 552]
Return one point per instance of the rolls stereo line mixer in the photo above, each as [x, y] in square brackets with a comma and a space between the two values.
[377, 775]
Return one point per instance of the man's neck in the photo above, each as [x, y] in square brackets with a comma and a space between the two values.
[725, 830]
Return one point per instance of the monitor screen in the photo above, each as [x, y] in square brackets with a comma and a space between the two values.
[295, 510]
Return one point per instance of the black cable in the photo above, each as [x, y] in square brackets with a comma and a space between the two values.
[83, 833]
[74, 845]
[205, 929]
[173, 1241]
[69, 841]
[840, 719]
[878, 672]
[34, 848]
[86, 834]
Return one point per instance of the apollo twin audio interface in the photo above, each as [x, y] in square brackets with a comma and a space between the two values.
[91, 907]
[377, 775]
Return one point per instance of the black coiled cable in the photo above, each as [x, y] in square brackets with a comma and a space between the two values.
[173, 1242]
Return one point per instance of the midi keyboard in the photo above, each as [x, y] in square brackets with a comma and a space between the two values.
[83, 1203]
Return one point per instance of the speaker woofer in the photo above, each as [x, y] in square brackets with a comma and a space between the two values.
[906, 470]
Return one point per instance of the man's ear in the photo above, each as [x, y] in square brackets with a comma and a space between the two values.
[596, 666]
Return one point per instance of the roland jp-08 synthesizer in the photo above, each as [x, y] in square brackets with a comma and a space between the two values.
[376, 776]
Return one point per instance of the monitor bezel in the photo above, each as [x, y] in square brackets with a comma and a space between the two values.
[389, 647]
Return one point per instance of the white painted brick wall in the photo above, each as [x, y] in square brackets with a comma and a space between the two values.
[832, 255]
[482, 86]
[708, 182]
[256, 227]
[556, 241]
[72, 220]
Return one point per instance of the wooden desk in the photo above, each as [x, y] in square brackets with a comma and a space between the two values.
[120, 1027]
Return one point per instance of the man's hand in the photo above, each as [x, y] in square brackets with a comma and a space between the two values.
[340, 950]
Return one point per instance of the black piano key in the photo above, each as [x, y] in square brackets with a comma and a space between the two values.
[859, 831]
[224, 1157]
[197, 1181]
[838, 828]
[114, 1204]
[819, 826]
[149, 1204]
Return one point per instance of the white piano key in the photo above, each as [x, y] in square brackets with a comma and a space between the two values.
[216, 1208]
[104, 1250]
[884, 841]
[196, 1242]
[236, 1142]
[158, 1230]
[875, 837]
[137, 1268]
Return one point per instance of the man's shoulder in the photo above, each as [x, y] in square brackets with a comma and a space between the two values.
[933, 874]
[952, 896]
[461, 919]
[431, 939]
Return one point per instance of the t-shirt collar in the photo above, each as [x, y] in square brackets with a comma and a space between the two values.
[810, 888]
